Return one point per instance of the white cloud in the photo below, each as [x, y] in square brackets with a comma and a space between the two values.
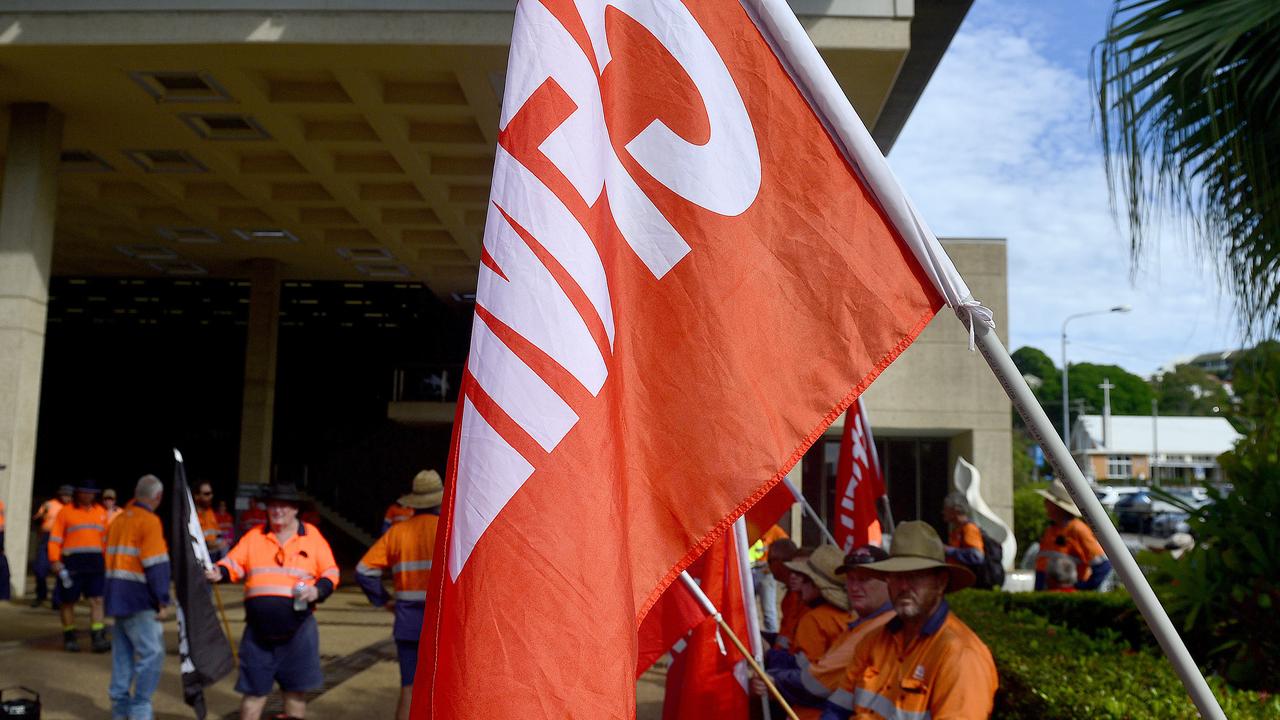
[1001, 145]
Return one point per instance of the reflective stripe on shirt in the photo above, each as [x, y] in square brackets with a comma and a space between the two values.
[842, 698]
[124, 550]
[272, 590]
[295, 572]
[82, 551]
[885, 707]
[411, 565]
[126, 575]
[86, 526]
[412, 595]
[154, 560]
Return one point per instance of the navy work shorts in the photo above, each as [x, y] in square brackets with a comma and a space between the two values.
[86, 584]
[408, 653]
[295, 663]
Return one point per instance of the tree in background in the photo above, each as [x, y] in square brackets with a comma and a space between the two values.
[1130, 396]
[1189, 390]
[1188, 96]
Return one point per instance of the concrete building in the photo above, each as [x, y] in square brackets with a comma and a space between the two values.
[938, 402]
[1124, 448]
[240, 226]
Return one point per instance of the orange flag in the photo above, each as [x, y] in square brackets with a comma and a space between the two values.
[707, 677]
[683, 283]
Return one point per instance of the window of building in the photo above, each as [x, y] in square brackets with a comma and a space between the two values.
[1119, 466]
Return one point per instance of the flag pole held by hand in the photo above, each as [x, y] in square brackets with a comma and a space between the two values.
[714, 613]
[813, 514]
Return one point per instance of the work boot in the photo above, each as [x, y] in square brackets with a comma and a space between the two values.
[69, 642]
[100, 642]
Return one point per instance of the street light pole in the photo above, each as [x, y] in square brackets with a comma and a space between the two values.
[1066, 408]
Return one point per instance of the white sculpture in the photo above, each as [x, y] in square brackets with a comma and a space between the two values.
[967, 480]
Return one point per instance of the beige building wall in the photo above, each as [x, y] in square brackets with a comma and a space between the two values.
[938, 388]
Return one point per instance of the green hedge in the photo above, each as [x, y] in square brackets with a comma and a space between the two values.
[1050, 671]
[1101, 615]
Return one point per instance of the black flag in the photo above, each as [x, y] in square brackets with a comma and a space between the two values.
[204, 649]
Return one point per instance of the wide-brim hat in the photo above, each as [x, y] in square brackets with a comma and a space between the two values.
[65, 490]
[87, 485]
[916, 546]
[1058, 495]
[288, 492]
[109, 493]
[820, 567]
[428, 491]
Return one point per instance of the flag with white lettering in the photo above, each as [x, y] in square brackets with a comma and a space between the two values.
[203, 649]
[859, 483]
[683, 283]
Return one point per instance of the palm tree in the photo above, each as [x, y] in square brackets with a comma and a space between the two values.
[1189, 101]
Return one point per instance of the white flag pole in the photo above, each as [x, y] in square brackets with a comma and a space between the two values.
[1125, 566]
[813, 514]
[749, 597]
[778, 23]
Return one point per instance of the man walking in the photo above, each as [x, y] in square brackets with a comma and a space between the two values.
[46, 515]
[924, 662]
[76, 546]
[137, 596]
[406, 550]
[287, 567]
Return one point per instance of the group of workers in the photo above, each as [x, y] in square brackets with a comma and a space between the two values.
[869, 634]
[863, 634]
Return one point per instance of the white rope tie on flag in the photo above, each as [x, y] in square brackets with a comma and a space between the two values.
[778, 23]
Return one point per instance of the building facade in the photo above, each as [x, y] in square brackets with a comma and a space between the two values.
[1173, 450]
[217, 192]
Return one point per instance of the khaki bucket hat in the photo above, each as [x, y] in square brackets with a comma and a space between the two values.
[916, 546]
[428, 491]
[1058, 495]
[820, 567]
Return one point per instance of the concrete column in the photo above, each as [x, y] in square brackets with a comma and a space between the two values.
[258, 408]
[28, 204]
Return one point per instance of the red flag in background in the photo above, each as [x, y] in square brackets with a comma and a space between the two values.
[766, 513]
[859, 483]
[707, 675]
[682, 284]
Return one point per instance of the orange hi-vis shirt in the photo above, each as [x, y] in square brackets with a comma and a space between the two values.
[226, 527]
[209, 524]
[1074, 541]
[271, 570]
[406, 550]
[822, 678]
[396, 513]
[817, 630]
[965, 537]
[946, 673]
[793, 608]
[78, 531]
[48, 513]
[137, 562]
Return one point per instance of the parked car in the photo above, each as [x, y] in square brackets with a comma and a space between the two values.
[1109, 495]
[1141, 513]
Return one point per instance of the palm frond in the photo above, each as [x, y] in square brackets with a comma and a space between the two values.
[1188, 92]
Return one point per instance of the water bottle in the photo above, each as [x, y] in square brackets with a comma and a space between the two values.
[299, 603]
[65, 578]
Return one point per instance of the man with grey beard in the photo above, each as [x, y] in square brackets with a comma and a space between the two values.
[925, 662]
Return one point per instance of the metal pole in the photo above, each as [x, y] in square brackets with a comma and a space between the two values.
[811, 512]
[1042, 431]
[749, 595]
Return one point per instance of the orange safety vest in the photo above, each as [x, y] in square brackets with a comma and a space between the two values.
[1074, 541]
[824, 676]
[793, 608]
[78, 531]
[135, 544]
[270, 569]
[397, 513]
[946, 671]
[48, 513]
[817, 630]
[968, 535]
[406, 550]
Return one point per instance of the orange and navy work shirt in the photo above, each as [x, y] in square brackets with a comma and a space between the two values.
[79, 531]
[793, 608]
[270, 569]
[137, 562]
[945, 672]
[48, 514]
[396, 513]
[964, 546]
[1074, 541]
[405, 551]
[821, 678]
[817, 630]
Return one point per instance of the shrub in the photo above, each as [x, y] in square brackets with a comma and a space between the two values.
[1048, 671]
[1029, 517]
[1101, 615]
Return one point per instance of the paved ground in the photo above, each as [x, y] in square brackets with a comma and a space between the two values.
[361, 673]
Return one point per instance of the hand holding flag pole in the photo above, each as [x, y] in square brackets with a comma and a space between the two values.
[714, 613]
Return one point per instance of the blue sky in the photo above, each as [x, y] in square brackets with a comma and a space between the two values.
[1003, 144]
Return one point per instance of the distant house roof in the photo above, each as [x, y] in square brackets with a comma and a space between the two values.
[1131, 434]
